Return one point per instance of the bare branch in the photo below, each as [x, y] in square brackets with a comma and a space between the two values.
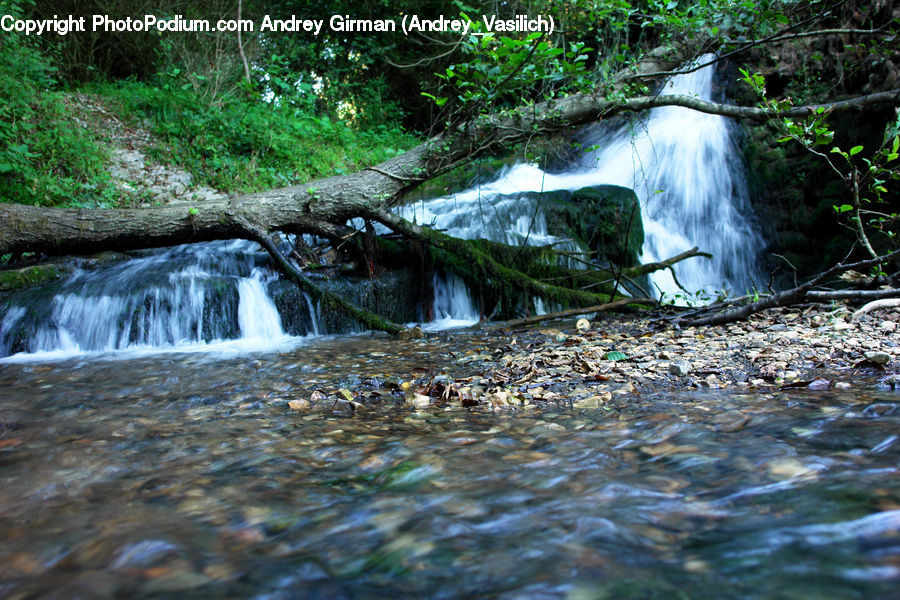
[796, 295]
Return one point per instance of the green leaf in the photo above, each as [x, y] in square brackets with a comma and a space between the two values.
[855, 150]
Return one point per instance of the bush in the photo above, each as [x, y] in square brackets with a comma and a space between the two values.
[242, 143]
[46, 158]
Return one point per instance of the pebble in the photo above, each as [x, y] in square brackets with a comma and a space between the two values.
[418, 400]
[679, 368]
[878, 357]
[299, 404]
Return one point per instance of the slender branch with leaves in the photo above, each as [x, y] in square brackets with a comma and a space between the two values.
[867, 210]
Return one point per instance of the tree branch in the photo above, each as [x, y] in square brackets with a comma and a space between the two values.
[366, 318]
[789, 297]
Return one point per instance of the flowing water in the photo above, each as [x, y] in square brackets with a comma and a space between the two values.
[184, 297]
[190, 476]
[683, 165]
[150, 448]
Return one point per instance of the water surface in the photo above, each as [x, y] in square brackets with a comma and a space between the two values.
[187, 475]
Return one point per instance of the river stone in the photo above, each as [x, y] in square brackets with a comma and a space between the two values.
[878, 357]
[418, 400]
[679, 368]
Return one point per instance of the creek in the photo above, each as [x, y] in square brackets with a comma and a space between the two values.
[156, 440]
[188, 475]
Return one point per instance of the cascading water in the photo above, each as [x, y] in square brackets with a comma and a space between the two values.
[682, 165]
[257, 316]
[452, 305]
[181, 298]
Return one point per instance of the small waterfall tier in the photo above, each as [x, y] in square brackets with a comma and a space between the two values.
[177, 298]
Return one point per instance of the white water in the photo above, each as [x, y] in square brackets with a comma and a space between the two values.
[206, 297]
[682, 165]
[452, 305]
[257, 316]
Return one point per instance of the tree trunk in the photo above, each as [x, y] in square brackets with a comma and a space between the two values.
[323, 206]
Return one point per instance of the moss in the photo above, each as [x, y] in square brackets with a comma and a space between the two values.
[506, 276]
[20, 279]
[462, 178]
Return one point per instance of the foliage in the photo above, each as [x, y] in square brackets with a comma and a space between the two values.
[244, 144]
[46, 157]
[505, 67]
[868, 206]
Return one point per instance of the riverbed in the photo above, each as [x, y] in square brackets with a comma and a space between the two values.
[191, 475]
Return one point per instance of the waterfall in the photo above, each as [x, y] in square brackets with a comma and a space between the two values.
[197, 296]
[452, 305]
[257, 316]
[684, 168]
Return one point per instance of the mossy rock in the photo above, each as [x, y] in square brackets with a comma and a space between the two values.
[605, 218]
[608, 219]
[26, 277]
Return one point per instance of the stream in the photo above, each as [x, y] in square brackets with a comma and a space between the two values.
[188, 475]
[170, 427]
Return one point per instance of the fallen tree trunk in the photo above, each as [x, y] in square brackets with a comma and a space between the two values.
[323, 206]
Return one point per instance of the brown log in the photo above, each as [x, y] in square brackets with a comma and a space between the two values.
[323, 206]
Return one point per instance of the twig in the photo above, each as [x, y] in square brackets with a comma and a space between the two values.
[574, 312]
[876, 304]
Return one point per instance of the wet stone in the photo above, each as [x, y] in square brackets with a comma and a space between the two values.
[680, 368]
[878, 357]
